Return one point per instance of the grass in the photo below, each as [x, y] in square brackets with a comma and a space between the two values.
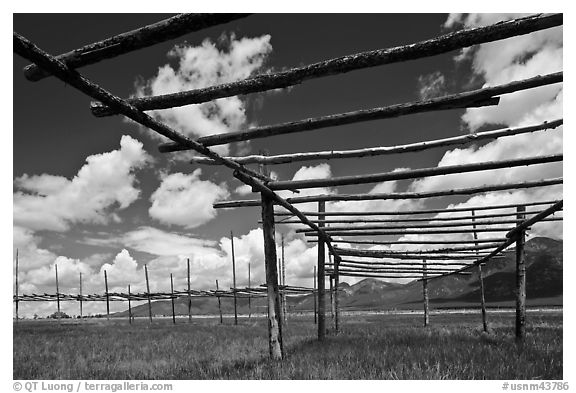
[369, 347]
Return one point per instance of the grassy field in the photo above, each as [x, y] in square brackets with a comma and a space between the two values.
[369, 347]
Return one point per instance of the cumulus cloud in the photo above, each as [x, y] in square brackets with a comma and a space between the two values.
[186, 200]
[202, 66]
[105, 182]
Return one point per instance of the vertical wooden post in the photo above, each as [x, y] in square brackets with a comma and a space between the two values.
[336, 294]
[219, 303]
[17, 300]
[520, 278]
[249, 295]
[172, 299]
[234, 279]
[57, 292]
[148, 293]
[129, 305]
[331, 279]
[189, 295]
[284, 308]
[315, 299]
[321, 277]
[425, 293]
[81, 299]
[481, 280]
[274, 311]
[107, 296]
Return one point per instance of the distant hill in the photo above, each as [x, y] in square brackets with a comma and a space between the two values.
[543, 275]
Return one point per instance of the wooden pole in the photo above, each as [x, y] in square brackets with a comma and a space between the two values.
[425, 293]
[17, 289]
[81, 299]
[321, 278]
[274, 311]
[284, 308]
[172, 299]
[336, 293]
[249, 296]
[315, 298]
[234, 279]
[129, 305]
[481, 280]
[219, 304]
[189, 295]
[520, 279]
[148, 293]
[57, 292]
[331, 279]
[107, 296]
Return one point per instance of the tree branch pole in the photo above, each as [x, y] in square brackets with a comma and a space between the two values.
[142, 37]
[107, 296]
[520, 280]
[172, 299]
[219, 304]
[129, 305]
[189, 295]
[321, 278]
[480, 279]
[425, 293]
[315, 298]
[275, 343]
[148, 293]
[337, 262]
[432, 47]
[393, 196]
[385, 150]
[234, 278]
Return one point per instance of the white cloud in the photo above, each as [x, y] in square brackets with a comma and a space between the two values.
[105, 182]
[185, 200]
[202, 66]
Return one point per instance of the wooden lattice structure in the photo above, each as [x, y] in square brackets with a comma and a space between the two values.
[424, 265]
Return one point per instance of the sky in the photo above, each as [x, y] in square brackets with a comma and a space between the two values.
[93, 194]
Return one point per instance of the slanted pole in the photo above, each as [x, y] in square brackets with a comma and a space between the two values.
[315, 299]
[321, 277]
[81, 316]
[520, 278]
[172, 299]
[148, 293]
[249, 295]
[107, 296]
[189, 295]
[234, 279]
[337, 261]
[129, 305]
[57, 292]
[425, 293]
[219, 304]
[274, 312]
[481, 280]
[16, 288]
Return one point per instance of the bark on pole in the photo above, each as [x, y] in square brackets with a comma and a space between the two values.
[172, 299]
[219, 304]
[81, 296]
[481, 280]
[336, 294]
[234, 279]
[189, 295]
[274, 311]
[520, 279]
[332, 296]
[425, 293]
[321, 277]
[107, 296]
[148, 293]
[129, 306]
[16, 289]
[315, 299]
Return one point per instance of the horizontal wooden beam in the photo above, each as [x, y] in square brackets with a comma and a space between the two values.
[393, 242]
[397, 263]
[393, 271]
[476, 98]
[395, 196]
[354, 252]
[379, 151]
[380, 275]
[431, 47]
[412, 173]
[130, 41]
[418, 226]
[411, 232]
